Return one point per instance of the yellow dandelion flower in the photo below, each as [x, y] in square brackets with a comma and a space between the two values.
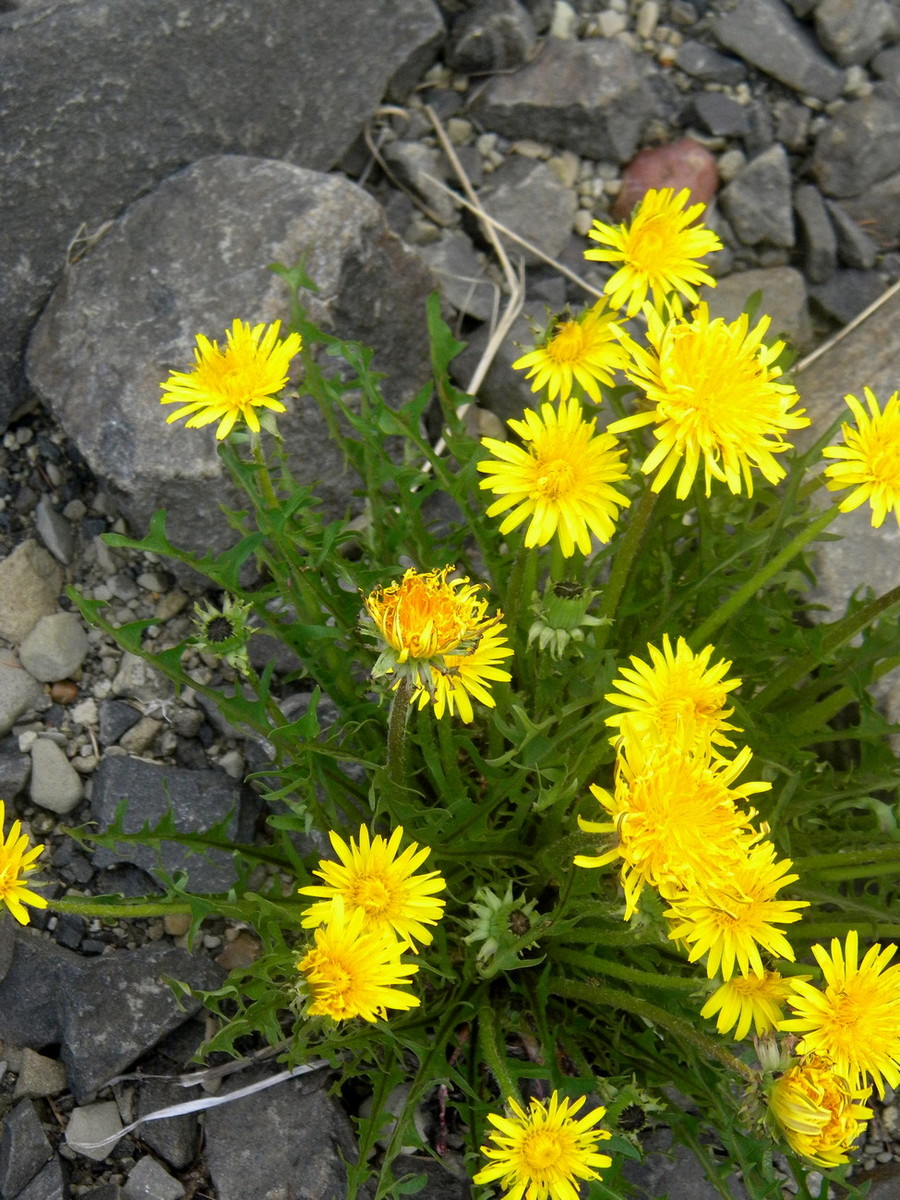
[376, 878]
[748, 999]
[17, 861]
[819, 1111]
[869, 458]
[855, 1021]
[437, 633]
[352, 973]
[715, 397]
[231, 383]
[675, 820]
[730, 917]
[561, 478]
[541, 1154]
[658, 251]
[675, 697]
[586, 351]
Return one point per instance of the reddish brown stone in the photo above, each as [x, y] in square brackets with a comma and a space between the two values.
[64, 691]
[683, 164]
[241, 952]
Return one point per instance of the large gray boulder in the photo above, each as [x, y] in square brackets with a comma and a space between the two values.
[100, 100]
[188, 259]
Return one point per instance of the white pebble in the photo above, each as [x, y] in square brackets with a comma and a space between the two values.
[647, 18]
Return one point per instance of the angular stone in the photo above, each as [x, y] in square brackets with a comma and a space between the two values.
[55, 530]
[817, 236]
[30, 991]
[847, 293]
[24, 1149]
[496, 35]
[18, 692]
[197, 800]
[720, 115]
[287, 1137]
[852, 33]
[422, 170]
[91, 1124]
[174, 1138]
[55, 648]
[113, 330]
[855, 247]
[464, 284]
[39, 1076]
[766, 34]
[758, 201]
[702, 62]
[859, 147]
[100, 1041]
[586, 96]
[783, 299]
[148, 1180]
[50, 1183]
[55, 784]
[878, 210]
[30, 583]
[527, 198]
[84, 137]
[116, 718]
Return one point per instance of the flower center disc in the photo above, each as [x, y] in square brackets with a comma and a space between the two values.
[372, 895]
[568, 343]
[555, 479]
[541, 1150]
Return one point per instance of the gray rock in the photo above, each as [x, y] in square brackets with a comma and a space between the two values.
[24, 1149]
[55, 648]
[286, 1137]
[103, 1040]
[174, 1138]
[816, 232]
[496, 35]
[30, 991]
[83, 137]
[14, 768]
[859, 147]
[30, 583]
[586, 96]
[441, 1185]
[55, 784]
[504, 392]
[464, 282]
[18, 692]
[90, 1124]
[116, 717]
[140, 680]
[55, 530]
[112, 330]
[852, 33]
[50, 1183]
[39, 1076]
[886, 65]
[526, 197]
[708, 65]
[148, 1180]
[783, 299]
[197, 800]
[847, 293]
[766, 34]
[878, 209]
[422, 169]
[721, 115]
[105, 1191]
[673, 1171]
[757, 202]
[855, 247]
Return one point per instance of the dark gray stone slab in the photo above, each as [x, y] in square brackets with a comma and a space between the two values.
[859, 147]
[496, 35]
[24, 1149]
[587, 96]
[766, 34]
[190, 258]
[197, 799]
[50, 1183]
[101, 100]
[817, 236]
[846, 294]
[174, 1138]
[39, 973]
[120, 1007]
[852, 33]
[758, 201]
[855, 247]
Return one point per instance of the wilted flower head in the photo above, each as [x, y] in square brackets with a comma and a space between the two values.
[869, 460]
[228, 384]
[819, 1111]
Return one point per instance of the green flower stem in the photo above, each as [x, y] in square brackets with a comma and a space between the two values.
[594, 993]
[622, 564]
[602, 935]
[835, 636]
[397, 745]
[815, 862]
[489, 1046]
[758, 581]
[605, 966]
[138, 906]
[519, 587]
[265, 479]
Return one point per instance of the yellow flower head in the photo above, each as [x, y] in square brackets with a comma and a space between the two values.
[352, 973]
[224, 385]
[561, 478]
[869, 460]
[855, 1021]
[374, 878]
[675, 819]
[730, 917]
[587, 351]
[657, 252]
[16, 862]
[675, 697]
[437, 633]
[715, 396]
[543, 1153]
[748, 999]
[819, 1111]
